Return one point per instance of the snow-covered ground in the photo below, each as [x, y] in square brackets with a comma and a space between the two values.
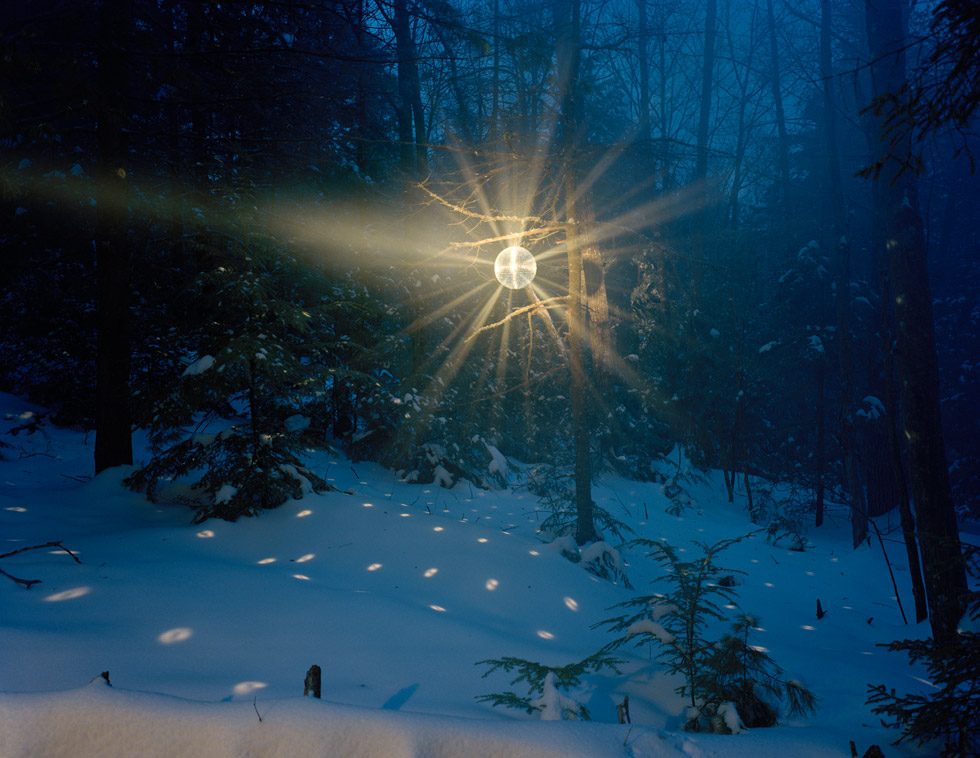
[396, 591]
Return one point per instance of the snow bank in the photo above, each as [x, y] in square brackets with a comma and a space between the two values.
[104, 721]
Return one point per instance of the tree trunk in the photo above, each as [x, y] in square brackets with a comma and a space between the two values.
[821, 462]
[411, 141]
[643, 61]
[701, 160]
[782, 143]
[707, 77]
[859, 519]
[896, 214]
[113, 438]
[567, 22]
[584, 523]
[667, 174]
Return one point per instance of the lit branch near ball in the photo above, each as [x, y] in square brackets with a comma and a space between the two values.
[515, 267]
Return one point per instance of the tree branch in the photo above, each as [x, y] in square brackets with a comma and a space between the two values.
[532, 308]
[28, 583]
[55, 543]
[484, 217]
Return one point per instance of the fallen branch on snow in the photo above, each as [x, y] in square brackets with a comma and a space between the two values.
[28, 583]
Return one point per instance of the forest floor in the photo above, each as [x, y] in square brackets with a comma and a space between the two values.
[396, 591]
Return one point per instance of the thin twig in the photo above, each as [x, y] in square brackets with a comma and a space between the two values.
[891, 573]
[83, 478]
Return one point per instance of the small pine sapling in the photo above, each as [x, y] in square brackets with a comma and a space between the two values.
[720, 678]
[677, 621]
[745, 676]
[546, 685]
[950, 713]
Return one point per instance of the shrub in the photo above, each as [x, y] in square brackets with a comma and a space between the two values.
[544, 685]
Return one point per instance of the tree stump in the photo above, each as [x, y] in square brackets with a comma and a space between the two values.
[311, 685]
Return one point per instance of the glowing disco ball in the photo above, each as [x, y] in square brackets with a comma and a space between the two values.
[515, 267]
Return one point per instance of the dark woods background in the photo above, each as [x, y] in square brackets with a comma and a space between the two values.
[212, 210]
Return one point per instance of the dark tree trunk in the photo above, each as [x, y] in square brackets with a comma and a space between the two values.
[643, 61]
[113, 439]
[567, 24]
[707, 77]
[859, 517]
[782, 144]
[701, 159]
[821, 462]
[411, 140]
[897, 217]
[666, 172]
[584, 523]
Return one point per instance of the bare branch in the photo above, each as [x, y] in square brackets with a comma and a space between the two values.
[56, 543]
[530, 309]
[28, 583]
[483, 217]
[536, 233]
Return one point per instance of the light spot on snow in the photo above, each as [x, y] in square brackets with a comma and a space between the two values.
[405, 515]
[301, 577]
[570, 603]
[205, 534]
[437, 608]
[545, 635]
[305, 558]
[491, 585]
[438, 528]
[374, 567]
[759, 648]
[247, 688]
[368, 505]
[482, 540]
[304, 513]
[16, 509]
[730, 606]
[770, 585]
[72, 594]
[173, 636]
[430, 572]
[535, 553]
[808, 628]
[266, 561]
